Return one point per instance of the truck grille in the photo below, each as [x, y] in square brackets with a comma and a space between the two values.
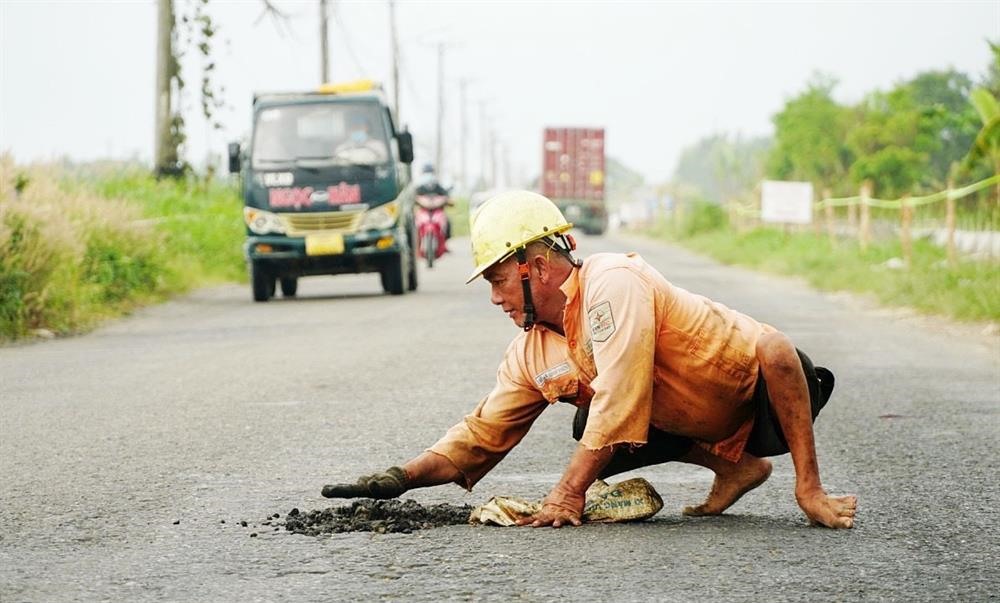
[305, 223]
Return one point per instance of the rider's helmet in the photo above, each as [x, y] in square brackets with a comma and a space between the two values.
[506, 224]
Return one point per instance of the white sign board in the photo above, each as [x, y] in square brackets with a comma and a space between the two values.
[786, 202]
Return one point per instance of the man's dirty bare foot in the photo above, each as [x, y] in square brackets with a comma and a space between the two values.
[729, 486]
[830, 511]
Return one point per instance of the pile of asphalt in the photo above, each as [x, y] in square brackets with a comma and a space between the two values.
[380, 516]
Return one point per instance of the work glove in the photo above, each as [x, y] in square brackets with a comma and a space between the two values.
[388, 484]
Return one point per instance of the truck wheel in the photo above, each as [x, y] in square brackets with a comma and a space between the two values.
[394, 276]
[261, 282]
[289, 286]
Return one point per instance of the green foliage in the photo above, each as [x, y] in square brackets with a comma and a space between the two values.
[987, 142]
[942, 98]
[892, 143]
[122, 264]
[701, 217]
[809, 138]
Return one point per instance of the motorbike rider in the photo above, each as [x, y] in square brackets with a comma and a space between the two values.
[428, 184]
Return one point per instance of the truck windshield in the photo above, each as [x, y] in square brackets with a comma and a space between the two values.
[329, 133]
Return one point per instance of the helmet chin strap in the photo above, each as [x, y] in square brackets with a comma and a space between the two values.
[525, 273]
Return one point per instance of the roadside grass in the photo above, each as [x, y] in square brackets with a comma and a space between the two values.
[202, 223]
[79, 247]
[969, 292]
[458, 215]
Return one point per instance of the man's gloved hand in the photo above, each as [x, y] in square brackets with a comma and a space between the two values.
[388, 484]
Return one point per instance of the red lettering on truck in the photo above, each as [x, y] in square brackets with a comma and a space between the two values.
[343, 193]
[290, 197]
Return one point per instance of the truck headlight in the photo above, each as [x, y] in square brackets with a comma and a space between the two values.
[383, 216]
[262, 222]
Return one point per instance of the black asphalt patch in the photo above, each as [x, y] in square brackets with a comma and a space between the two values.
[379, 516]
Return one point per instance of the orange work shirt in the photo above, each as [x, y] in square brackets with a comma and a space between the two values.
[639, 350]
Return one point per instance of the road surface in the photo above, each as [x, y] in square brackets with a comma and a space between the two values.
[129, 456]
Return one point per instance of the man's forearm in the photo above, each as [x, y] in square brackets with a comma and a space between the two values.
[584, 467]
[431, 469]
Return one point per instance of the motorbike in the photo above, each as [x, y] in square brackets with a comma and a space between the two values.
[431, 223]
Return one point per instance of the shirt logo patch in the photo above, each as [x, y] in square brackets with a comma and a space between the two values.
[551, 373]
[602, 323]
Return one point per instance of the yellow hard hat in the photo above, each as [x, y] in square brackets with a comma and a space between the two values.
[509, 221]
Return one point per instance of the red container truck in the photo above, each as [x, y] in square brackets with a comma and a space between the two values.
[573, 175]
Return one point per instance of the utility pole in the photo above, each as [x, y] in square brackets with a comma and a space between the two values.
[483, 144]
[506, 165]
[493, 157]
[164, 152]
[324, 60]
[438, 154]
[462, 176]
[395, 60]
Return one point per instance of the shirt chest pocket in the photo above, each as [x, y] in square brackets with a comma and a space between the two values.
[558, 382]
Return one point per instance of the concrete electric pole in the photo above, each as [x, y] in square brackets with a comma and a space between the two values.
[439, 151]
[395, 61]
[324, 59]
[164, 151]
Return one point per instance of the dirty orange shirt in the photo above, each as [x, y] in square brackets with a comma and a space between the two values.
[639, 350]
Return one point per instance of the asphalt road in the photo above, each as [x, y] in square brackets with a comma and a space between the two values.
[129, 456]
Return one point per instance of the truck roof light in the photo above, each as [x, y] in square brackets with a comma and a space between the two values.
[352, 86]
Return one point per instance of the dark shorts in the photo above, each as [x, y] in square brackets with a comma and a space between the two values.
[766, 438]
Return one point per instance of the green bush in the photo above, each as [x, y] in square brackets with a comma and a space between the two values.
[702, 216]
[122, 266]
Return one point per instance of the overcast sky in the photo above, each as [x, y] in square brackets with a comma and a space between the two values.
[77, 77]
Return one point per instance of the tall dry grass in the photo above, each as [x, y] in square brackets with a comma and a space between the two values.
[69, 257]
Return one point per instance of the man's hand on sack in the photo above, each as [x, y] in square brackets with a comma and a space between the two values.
[390, 483]
[562, 507]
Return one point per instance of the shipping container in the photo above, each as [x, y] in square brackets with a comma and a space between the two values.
[573, 175]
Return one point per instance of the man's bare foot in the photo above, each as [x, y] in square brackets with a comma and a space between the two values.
[729, 486]
[829, 511]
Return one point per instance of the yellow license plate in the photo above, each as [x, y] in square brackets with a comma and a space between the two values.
[324, 244]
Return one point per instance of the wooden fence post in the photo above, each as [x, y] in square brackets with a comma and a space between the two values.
[949, 219]
[864, 233]
[905, 240]
[828, 212]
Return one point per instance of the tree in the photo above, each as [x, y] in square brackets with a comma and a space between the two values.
[987, 143]
[891, 142]
[942, 97]
[986, 100]
[809, 135]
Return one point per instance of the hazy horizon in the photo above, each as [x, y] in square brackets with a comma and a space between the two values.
[77, 78]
